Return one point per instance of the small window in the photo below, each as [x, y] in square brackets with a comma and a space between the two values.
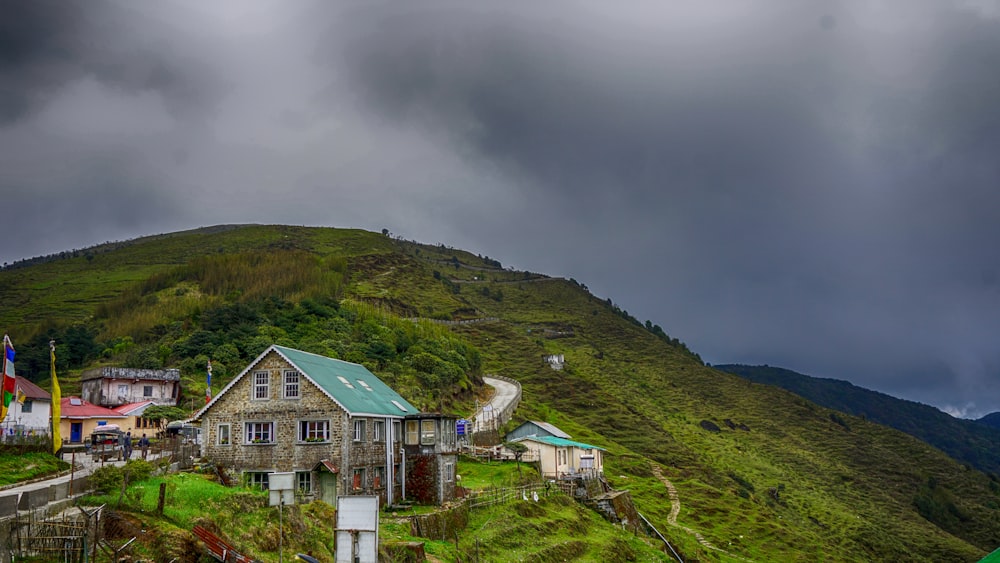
[314, 430]
[427, 433]
[412, 432]
[378, 477]
[399, 406]
[359, 430]
[304, 481]
[26, 407]
[378, 431]
[449, 472]
[291, 384]
[123, 390]
[397, 431]
[147, 390]
[358, 479]
[223, 434]
[261, 385]
[260, 433]
[257, 479]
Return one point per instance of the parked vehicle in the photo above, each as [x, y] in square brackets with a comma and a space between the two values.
[188, 433]
[106, 443]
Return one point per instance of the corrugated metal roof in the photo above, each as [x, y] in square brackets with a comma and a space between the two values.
[130, 409]
[562, 442]
[351, 385]
[991, 558]
[31, 390]
[551, 429]
[75, 407]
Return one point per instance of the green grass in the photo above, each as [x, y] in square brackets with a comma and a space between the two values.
[17, 468]
[478, 475]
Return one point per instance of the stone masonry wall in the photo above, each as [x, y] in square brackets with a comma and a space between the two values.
[285, 453]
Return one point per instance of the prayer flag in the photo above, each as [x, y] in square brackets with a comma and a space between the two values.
[9, 383]
[208, 384]
[56, 400]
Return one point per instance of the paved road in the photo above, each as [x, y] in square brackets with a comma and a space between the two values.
[505, 393]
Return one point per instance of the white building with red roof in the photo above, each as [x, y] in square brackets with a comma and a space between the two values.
[30, 411]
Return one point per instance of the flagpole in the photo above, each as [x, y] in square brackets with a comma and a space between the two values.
[56, 402]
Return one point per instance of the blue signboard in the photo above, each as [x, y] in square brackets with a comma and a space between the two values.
[461, 426]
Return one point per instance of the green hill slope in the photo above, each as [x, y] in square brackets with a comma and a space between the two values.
[973, 442]
[760, 473]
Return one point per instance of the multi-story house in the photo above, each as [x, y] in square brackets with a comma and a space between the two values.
[111, 386]
[431, 447]
[334, 423]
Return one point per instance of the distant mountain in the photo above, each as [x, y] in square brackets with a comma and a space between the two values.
[973, 442]
[992, 419]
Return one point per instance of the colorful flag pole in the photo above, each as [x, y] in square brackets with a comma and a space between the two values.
[56, 400]
[9, 383]
[208, 384]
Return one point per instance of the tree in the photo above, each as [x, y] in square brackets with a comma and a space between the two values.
[159, 413]
[518, 449]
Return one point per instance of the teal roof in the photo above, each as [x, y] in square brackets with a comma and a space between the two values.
[555, 441]
[363, 393]
[991, 558]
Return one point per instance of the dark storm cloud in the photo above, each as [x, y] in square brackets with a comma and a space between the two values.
[810, 185]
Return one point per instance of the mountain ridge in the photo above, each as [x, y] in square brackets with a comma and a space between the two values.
[968, 441]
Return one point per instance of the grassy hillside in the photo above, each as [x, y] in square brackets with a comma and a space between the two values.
[760, 473]
[971, 442]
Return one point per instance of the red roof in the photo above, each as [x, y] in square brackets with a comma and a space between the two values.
[129, 408]
[75, 407]
[31, 390]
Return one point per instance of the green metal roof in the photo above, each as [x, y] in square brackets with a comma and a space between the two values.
[352, 386]
[556, 441]
[991, 558]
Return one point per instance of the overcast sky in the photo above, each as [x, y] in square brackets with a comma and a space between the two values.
[812, 185]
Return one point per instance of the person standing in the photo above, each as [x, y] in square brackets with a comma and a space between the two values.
[144, 445]
[128, 445]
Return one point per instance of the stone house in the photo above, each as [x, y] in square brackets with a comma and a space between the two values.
[110, 386]
[431, 446]
[333, 423]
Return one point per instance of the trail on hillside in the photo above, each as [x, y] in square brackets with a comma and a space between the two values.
[675, 509]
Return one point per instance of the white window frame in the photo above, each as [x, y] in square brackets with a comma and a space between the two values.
[291, 387]
[228, 431]
[261, 389]
[362, 482]
[304, 481]
[428, 438]
[258, 479]
[123, 390]
[259, 430]
[359, 430]
[412, 432]
[378, 431]
[378, 477]
[449, 472]
[309, 430]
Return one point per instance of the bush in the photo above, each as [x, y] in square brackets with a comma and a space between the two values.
[107, 479]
